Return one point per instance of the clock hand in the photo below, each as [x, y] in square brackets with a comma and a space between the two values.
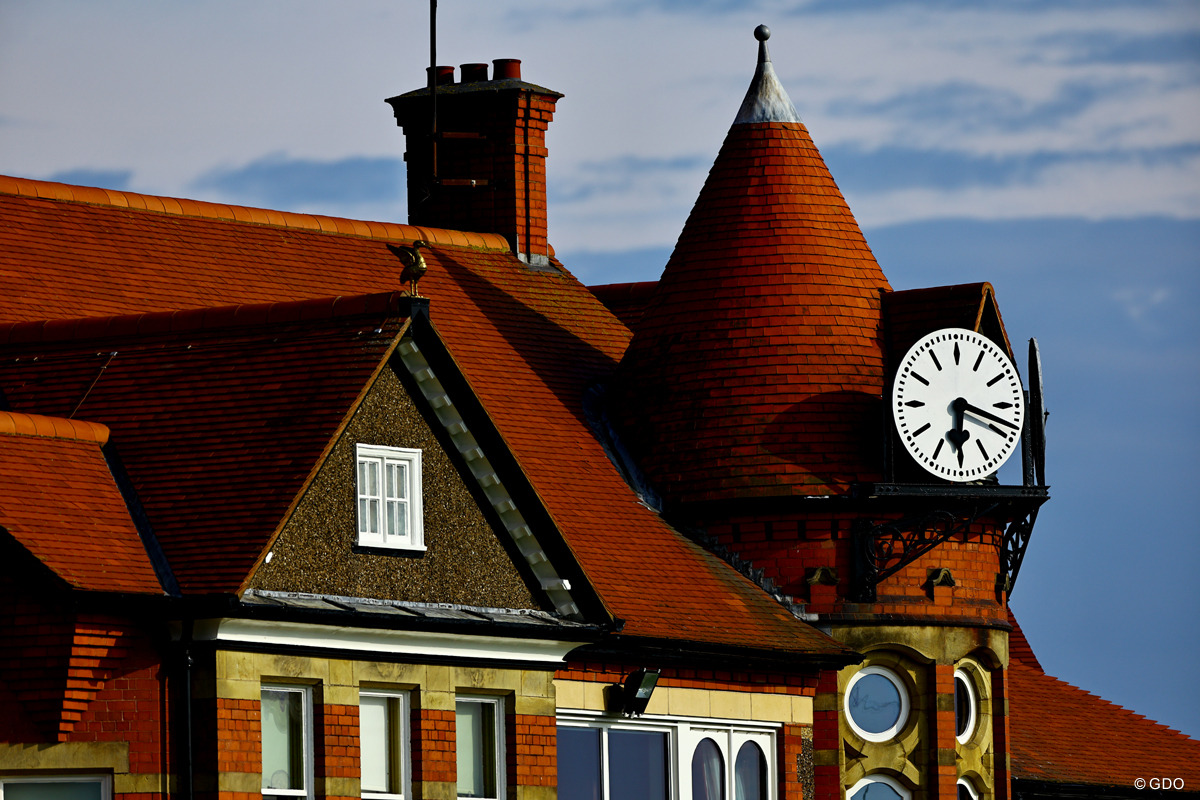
[957, 435]
[979, 412]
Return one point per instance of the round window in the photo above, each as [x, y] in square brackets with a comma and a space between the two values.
[876, 703]
[965, 705]
[966, 791]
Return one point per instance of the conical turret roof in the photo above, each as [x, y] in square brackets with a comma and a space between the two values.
[758, 368]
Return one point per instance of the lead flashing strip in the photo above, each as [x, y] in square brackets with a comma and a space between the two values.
[557, 588]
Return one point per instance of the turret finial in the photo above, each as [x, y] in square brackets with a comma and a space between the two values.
[766, 101]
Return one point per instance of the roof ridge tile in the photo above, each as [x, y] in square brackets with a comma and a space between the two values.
[15, 423]
[50, 190]
[242, 315]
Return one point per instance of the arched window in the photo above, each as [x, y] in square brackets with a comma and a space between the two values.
[750, 773]
[876, 703]
[966, 704]
[708, 771]
[878, 787]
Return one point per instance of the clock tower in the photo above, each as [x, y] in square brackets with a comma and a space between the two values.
[840, 442]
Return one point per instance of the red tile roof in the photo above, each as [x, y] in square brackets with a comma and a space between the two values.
[910, 314]
[1062, 734]
[529, 343]
[628, 301]
[758, 366]
[59, 500]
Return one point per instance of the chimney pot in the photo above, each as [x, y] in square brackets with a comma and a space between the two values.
[506, 68]
[443, 75]
[472, 73]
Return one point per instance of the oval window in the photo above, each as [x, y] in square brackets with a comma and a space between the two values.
[965, 704]
[876, 703]
[708, 772]
[750, 773]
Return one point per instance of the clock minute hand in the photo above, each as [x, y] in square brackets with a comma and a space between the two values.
[979, 412]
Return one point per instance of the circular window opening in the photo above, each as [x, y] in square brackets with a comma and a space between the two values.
[878, 787]
[966, 791]
[965, 704]
[876, 704]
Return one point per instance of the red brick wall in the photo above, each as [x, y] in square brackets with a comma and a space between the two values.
[532, 751]
[788, 547]
[239, 736]
[433, 755]
[803, 684]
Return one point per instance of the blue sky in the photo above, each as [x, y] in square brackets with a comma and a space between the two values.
[1051, 147]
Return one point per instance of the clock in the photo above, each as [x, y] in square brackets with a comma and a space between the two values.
[958, 404]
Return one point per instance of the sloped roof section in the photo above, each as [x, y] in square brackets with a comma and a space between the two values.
[910, 314]
[218, 415]
[758, 367]
[628, 301]
[59, 500]
[1062, 734]
[528, 343]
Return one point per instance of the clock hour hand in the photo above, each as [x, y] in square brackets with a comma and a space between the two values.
[979, 412]
[957, 435]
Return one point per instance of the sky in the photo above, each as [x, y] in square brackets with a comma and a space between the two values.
[1051, 147]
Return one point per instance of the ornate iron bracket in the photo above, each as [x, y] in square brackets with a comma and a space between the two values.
[882, 550]
[1015, 540]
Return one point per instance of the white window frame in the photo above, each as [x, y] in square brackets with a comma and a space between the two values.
[399, 741]
[105, 782]
[382, 458]
[905, 704]
[970, 787]
[501, 763]
[306, 736]
[684, 734]
[963, 675]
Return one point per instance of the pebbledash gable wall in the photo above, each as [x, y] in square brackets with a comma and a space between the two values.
[465, 562]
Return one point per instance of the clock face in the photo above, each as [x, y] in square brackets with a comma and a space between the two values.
[958, 404]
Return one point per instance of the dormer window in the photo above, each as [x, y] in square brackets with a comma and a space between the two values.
[389, 497]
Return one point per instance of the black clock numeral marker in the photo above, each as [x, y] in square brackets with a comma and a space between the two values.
[978, 361]
[914, 404]
[936, 363]
[996, 379]
[921, 429]
[918, 377]
[981, 450]
[1002, 405]
[956, 353]
[938, 449]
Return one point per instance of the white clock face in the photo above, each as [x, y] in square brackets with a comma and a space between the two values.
[958, 404]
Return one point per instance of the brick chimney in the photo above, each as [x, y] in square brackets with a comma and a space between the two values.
[484, 169]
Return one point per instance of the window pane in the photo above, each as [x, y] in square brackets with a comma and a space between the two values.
[874, 703]
[397, 521]
[579, 764]
[750, 773]
[637, 765]
[475, 728]
[708, 772]
[876, 791]
[282, 739]
[375, 742]
[397, 480]
[52, 790]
